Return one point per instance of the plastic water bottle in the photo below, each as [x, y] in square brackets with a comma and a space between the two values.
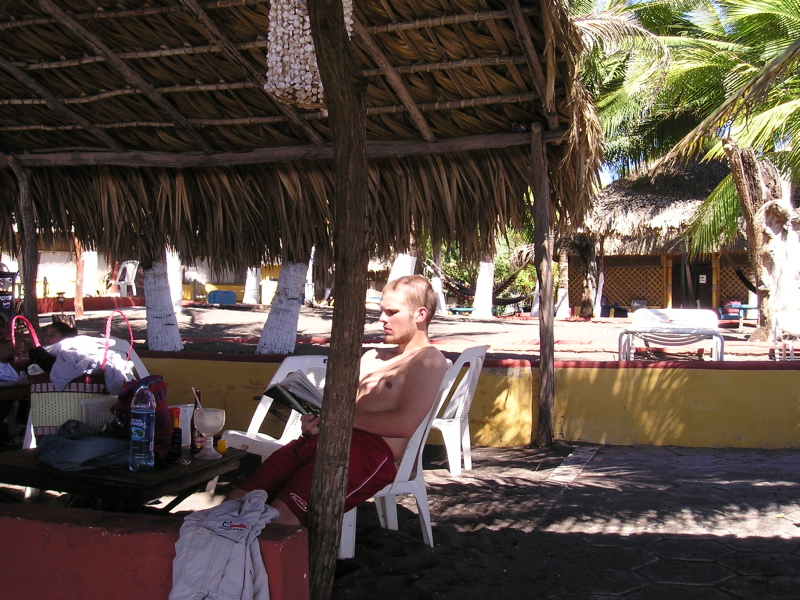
[143, 425]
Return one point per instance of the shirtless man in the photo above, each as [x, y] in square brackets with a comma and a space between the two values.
[396, 390]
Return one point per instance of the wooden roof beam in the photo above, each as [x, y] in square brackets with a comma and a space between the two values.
[57, 105]
[394, 80]
[466, 63]
[210, 29]
[127, 13]
[218, 4]
[317, 115]
[491, 15]
[520, 23]
[131, 76]
[282, 154]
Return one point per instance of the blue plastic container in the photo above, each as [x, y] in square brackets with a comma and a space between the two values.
[222, 297]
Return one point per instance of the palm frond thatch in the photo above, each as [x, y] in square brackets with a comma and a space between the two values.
[140, 129]
[644, 215]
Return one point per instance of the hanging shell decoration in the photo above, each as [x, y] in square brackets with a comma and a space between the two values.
[292, 71]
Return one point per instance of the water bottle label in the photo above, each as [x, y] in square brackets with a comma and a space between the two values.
[142, 426]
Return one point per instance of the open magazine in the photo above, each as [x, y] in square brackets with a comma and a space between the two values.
[297, 392]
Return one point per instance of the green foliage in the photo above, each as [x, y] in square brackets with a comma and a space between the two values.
[715, 223]
[505, 263]
[732, 69]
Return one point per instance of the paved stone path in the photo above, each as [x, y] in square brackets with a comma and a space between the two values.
[608, 522]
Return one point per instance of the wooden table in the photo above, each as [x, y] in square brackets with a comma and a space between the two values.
[119, 485]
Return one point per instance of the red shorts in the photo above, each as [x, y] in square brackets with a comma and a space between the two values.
[287, 472]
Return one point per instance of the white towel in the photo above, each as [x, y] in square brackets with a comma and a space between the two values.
[218, 556]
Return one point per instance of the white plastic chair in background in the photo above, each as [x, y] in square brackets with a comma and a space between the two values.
[785, 331]
[454, 422]
[126, 278]
[409, 479]
[672, 327]
[251, 440]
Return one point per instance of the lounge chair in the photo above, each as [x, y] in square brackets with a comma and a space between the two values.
[672, 327]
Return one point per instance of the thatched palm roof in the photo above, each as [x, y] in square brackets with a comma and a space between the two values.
[155, 115]
[644, 215]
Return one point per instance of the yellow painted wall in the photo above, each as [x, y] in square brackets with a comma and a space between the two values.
[187, 292]
[232, 287]
[702, 407]
[683, 407]
[501, 409]
[225, 384]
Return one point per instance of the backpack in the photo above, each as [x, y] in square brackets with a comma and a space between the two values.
[163, 423]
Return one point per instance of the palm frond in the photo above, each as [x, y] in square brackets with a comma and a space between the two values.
[716, 221]
[746, 98]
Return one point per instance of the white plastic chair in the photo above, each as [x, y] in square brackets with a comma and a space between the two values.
[126, 278]
[409, 479]
[260, 443]
[454, 422]
[785, 332]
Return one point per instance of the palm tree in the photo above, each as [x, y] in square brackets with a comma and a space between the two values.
[731, 83]
[743, 73]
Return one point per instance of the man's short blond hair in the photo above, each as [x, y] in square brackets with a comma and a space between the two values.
[418, 292]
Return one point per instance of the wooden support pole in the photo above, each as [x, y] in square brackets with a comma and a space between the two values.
[29, 243]
[78, 277]
[544, 273]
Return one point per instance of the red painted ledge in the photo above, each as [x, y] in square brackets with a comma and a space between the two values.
[51, 305]
[57, 553]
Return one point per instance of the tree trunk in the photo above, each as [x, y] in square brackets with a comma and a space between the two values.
[562, 297]
[251, 283]
[588, 255]
[175, 280]
[279, 335]
[78, 301]
[752, 190]
[436, 281]
[544, 272]
[30, 242]
[345, 94]
[309, 293]
[162, 324]
[404, 264]
[482, 304]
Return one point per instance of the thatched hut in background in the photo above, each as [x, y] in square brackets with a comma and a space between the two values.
[636, 230]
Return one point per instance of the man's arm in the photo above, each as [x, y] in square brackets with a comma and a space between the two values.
[422, 382]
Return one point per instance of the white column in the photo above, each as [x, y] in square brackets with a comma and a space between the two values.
[91, 283]
[175, 280]
[484, 286]
[404, 264]
[252, 281]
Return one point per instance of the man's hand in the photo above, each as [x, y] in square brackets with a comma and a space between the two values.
[309, 424]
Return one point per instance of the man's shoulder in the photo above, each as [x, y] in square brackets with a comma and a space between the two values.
[430, 357]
